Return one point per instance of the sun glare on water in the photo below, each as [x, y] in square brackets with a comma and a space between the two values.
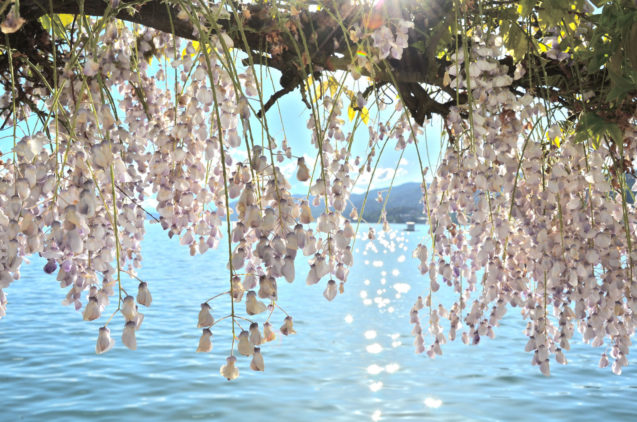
[433, 403]
[374, 348]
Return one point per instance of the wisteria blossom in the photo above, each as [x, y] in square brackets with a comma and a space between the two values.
[523, 213]
[542, 225]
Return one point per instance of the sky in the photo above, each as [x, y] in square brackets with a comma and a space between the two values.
[288, 119]
[294, 114]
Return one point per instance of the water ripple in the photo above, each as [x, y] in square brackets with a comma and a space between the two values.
[339, 366]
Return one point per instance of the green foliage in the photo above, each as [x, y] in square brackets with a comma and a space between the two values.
[516, 40]
[593, 127]
[613, 46]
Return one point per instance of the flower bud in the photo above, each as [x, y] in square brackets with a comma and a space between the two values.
[419, 303]
[312, 277]
[413, 317]
[324, 224]
[254, 306]
[205, 343]
[288, 268]
[310, 245]
[249, 281]
[12, 21]
[237, 289]
[306, 213]
[300, 236]
[603, 362]
[104, 341]
[143, 294]
[278, 245]
[330, 290]
[261, 164]
[244, 346]
[267, 288]
[238, 232]
[341, 272]
[129, 309]
[348, 230]
[139, 318]
[13, 208]
[268, 334]
[87, 203]
[229, 371]
[50, 266]
[3, 303]
[436, 348]
[291, 244]
[559, 357]
[102, 298]
[303, 173]
[318, 188]
[257, 360]
[205, 318]
[253, 216]
[322, 266]
[347, 257]
[287, 327]
[255, 334]
[339, 203]
[238, 258]
[92, 310]
[268, 221]
[128, 335]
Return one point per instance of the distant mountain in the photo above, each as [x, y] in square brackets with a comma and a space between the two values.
[404, 204]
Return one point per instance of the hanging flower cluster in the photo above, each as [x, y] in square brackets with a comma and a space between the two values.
[388, 45]
[74, 196]
[515, 197]
[520, 202]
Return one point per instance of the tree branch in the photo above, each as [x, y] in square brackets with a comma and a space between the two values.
[269, 36]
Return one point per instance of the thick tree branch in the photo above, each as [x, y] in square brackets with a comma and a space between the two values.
[282, 43]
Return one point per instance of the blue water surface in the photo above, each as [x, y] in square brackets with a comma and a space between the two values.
[351, 359]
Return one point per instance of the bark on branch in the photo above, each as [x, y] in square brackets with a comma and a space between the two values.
[274, 41]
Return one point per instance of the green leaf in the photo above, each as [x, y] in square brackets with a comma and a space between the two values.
[419, 45]
[515, 39]
[593, 127]
[620, 86]
[525, 7]
[46, 22]
[630, 45]
[552, 12]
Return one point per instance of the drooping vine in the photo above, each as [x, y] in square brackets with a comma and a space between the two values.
[111, 104]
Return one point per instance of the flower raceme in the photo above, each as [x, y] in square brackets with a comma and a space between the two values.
[539, 221]
[498, 204]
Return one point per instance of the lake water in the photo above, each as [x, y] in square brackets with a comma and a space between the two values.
[352, 359]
